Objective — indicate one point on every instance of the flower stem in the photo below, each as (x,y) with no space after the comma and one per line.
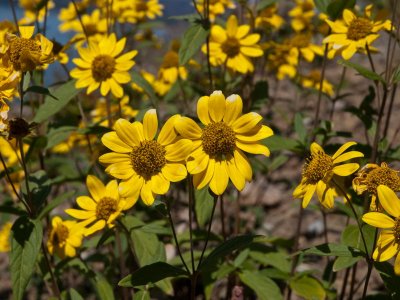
(222,214)
(191,203)
(56,289)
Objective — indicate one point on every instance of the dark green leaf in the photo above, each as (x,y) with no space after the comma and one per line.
(345,262)
(227,247)
(148,248)
(308,288)
(40,90)
(259,95)
(71,294)
(40,187)
(265,3)
(142,295)
(322,5)
(278,143)
(336,7)
(104,289)
(351,237)
(192,40)
(390,279)
(333,250)
(58,135)
(26,239)
(63,93)
(362,71)
(151,274)
(203,206)
(264,287)
(299,127)
(277,260)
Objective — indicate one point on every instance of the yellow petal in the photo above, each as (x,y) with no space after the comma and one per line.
(342,149)
(234,106)
(379,220)
(159,185)
(243,164)
(178,151)
(112,190)
(346,169)
(231,26)
(96,187)
(114,143)
(262,133)
(237,178)
(253,148)
(202,179)
(202,110)
(348,16)
(150,124)
(246,122)
(316,149)
(99,225)
(80,214)
(397,265)
(129,133)
(386,252)
(349,51)
(188,128)
(168,134)
(216,106)
(174,172)
(146,194)
(388,199)
(308,194)
(325,195)
(26,31)
(347,156)
(131,188)
(114,157)
(198,162)
(86,203)
(220,179)
(120,170)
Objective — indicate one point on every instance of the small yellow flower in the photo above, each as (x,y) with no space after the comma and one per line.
(319,171)
(26,53)
(146,166)
(268,17)
(64,237)
(216,7)
(302,15)
(5,237)
(355,33)
(313,80)
(170,69)
(102,66)
(233,46)
(300,45)
(31,13)
(277,61)
(102,208)
(388,244)
(140,10)
(217,155)
(371,176)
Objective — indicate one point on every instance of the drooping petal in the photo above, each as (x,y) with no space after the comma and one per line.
(174,172)
(342,149)
(131,188)
(237,178)
(202,179)
(159,185)
(347,156)
(146,194)
(308,195)
(243,164)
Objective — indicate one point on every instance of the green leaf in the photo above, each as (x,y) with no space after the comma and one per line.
(390,279)
(308,288)
(148,248)
(203,206)
(278,143)
(26,240)
(192,40)
(54,202)
(63,93)
(345,262)
(277,260)
(333,250)
(227,247)
(351,237)
(369,74)
(299,127)
(104,290)
(265,3)
(151,274)
(40,90)
(336,7)
(40,187)
(322,5)
(142,295)
(264,287)
(145,85)
(71,294)
(58,135)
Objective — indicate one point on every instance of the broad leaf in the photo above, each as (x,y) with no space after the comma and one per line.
(336,7)
(192,40)
(264,287)
(333,250)
(203,206)
(148,248)
(40,90)
(54,202)
(151,274)
(308,288)
(26,239)
(369,74)
(390,279)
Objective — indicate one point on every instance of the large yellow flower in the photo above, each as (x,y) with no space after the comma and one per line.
(102,208)
(146,166)
(388,244)
(217,155)
(319,171)
(233,46)
(102,66)
(5,237)
(355,33)
(64,237)
(371,176)
(26,53)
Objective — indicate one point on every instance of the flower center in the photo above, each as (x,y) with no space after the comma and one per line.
(148,159)
(385,176)
(359,28)
(171,60)
(62,234)
(24,54)
(317,168)
(218,139)
(103,66)
(105,208)
(141,6)
(231,47)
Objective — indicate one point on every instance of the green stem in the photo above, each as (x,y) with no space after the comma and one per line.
(56,289)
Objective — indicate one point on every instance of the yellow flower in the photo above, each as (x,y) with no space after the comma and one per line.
(268,17)
(102,208)
(278,61)
(4,109)
(69,14)
(5,237)
(170,69)
(9,80)
(216,7)
(355,33)
(135,11)
(302,14)
(26,53)
(301,46)
(31,13)
(371,176)
(6,26)
(146,166)
(64,237)
(217,155)
(233,46)
(102,66)
(389,239)
(313,80)
(160,86)
(117,108)
(319,171)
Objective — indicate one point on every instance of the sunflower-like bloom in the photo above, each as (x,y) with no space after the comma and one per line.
(217,154)
(371,176)
(146,166)
(233,46)
(102,66)
(313,80)
(5,237)
(388,244)
(216,7)
(26,53)
(321,169)
(64,237)
(302,15)
(102,208)
(355,33)
(269,18)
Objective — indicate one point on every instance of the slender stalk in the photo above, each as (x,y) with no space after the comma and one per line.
(190,208)
(222,215)
(344,286)
(197,9)
(325,226)
(122,266)
(208,232)
(26,175)
(80,21)
(390,110)
(175,236)
(369,266)
(374,154)
(353,282)
(11,2)
(56,289)
(21,93)
(207,20)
